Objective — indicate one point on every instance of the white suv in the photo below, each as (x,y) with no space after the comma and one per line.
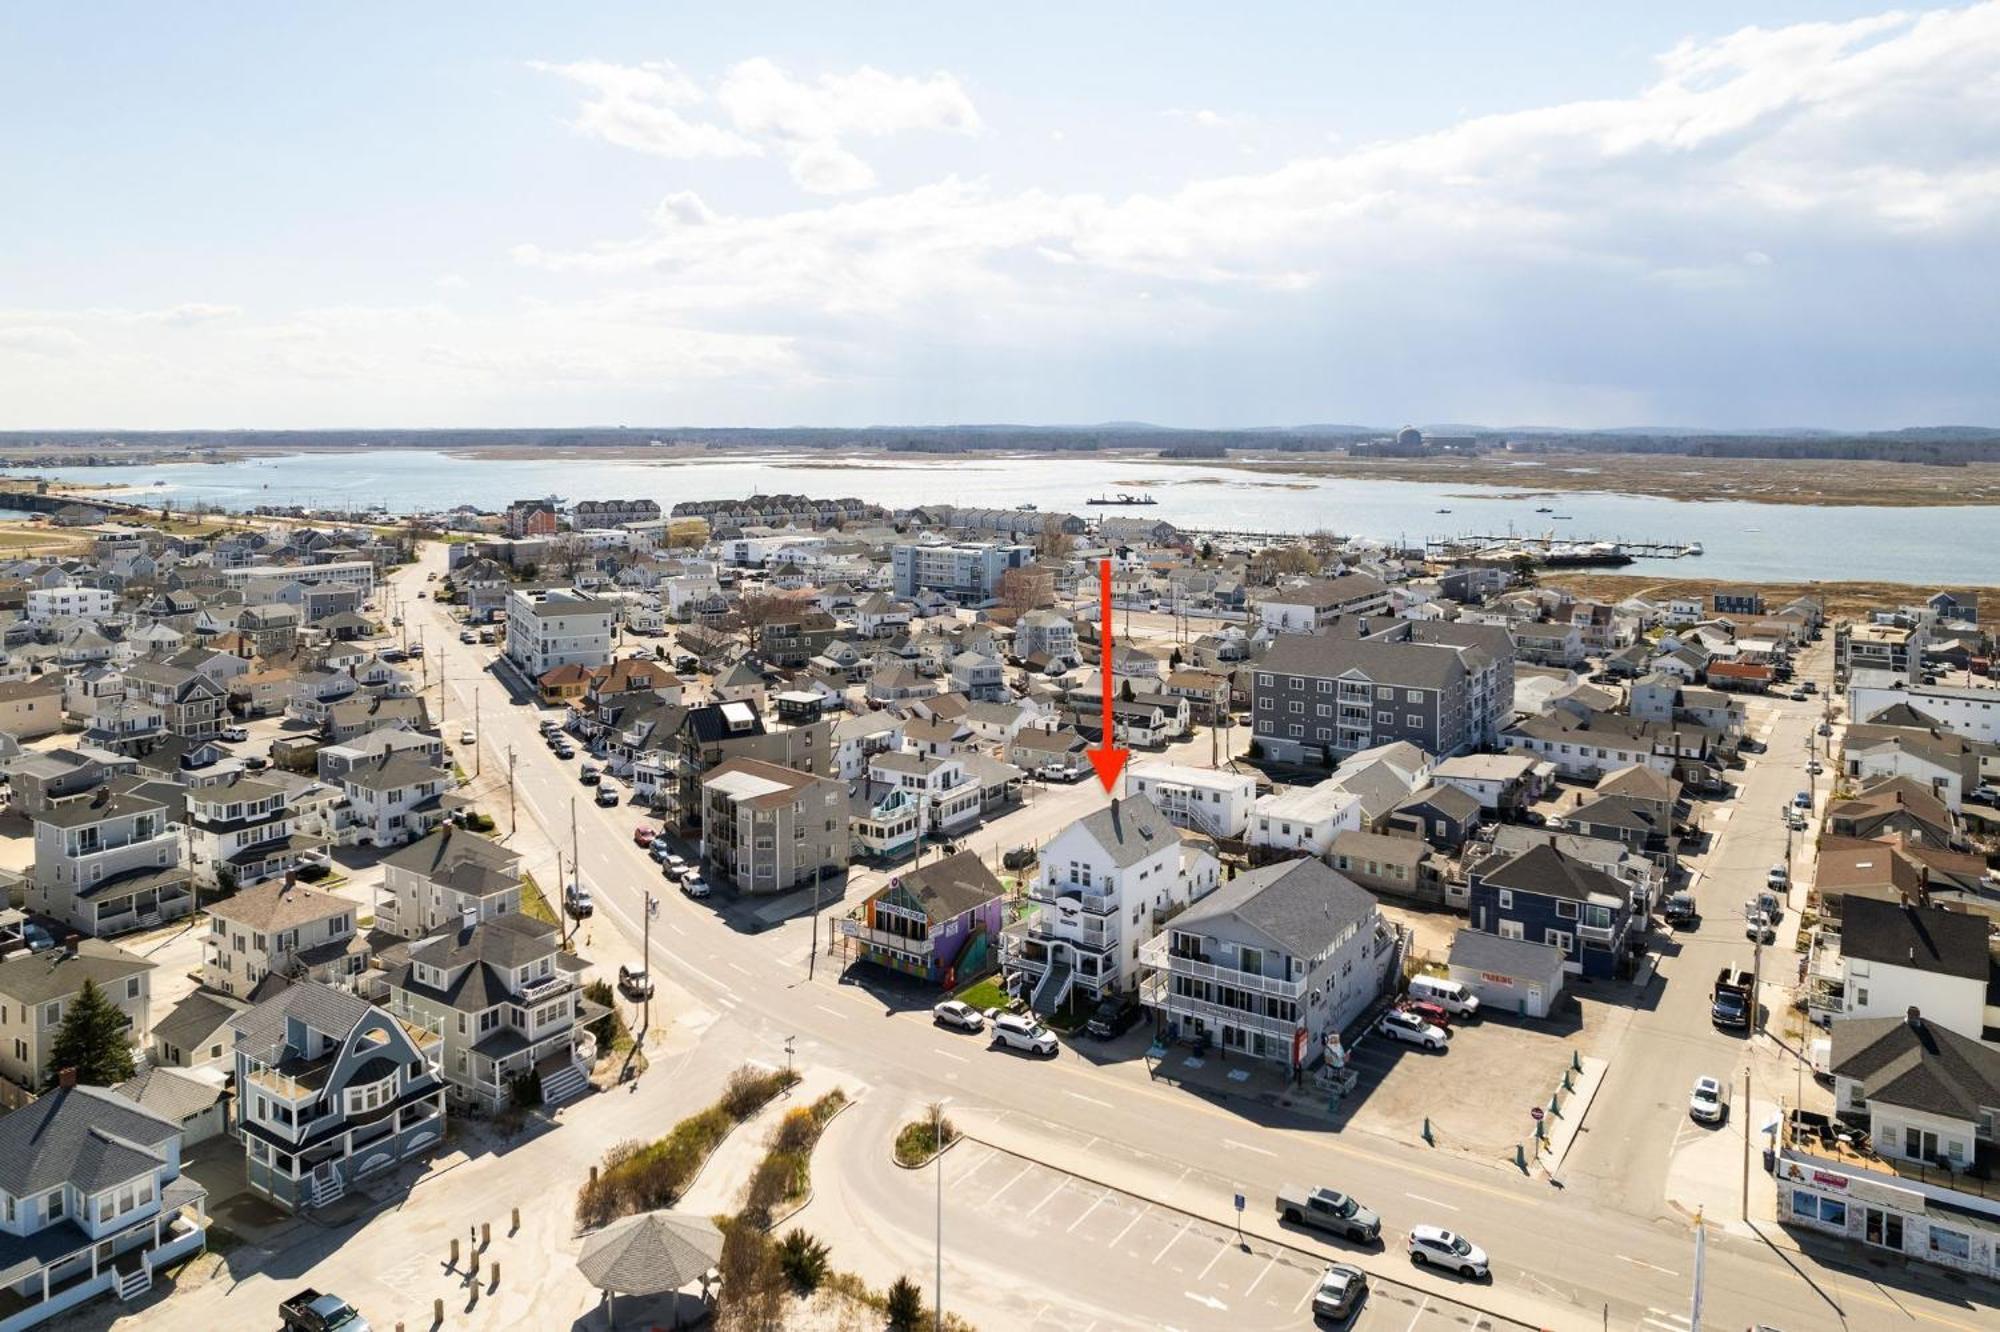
(1400,1026)
(1023,1033)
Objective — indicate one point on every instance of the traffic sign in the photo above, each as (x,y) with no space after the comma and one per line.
(1538,1112)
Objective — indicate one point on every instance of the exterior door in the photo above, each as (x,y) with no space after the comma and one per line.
(1884,1229)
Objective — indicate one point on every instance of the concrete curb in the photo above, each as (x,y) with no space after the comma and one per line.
(771,1227)
(1249,1231)
(959,1136)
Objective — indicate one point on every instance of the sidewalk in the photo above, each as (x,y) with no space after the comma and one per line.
(720,1186)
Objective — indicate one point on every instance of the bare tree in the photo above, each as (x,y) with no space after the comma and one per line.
(1025,588)
(753,611)
(1052,543)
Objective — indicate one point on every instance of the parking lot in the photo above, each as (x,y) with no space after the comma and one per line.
(1170,1268)
(1477,1094)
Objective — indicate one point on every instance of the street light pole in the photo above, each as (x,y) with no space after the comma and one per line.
(513,820)
(937,1146)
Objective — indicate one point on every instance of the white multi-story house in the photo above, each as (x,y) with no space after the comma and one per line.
(858,739)
(1273,964)
(1046,633)
(547,628)
(1304,818)
(1316,603)
(1890,957)
(508,1000)
(94,1202)
(437,881)
(36,989)
(1203,800)
(107,862)
(242,831)
(281,927)
(980,678)
(1105,884)
(330,1089)
(191,704)
(908,796)
(47,605)
(393,798)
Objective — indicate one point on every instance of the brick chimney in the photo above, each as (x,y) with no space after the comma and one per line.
(66,1078)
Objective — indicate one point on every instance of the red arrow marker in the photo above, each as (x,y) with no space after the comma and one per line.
(1107,758)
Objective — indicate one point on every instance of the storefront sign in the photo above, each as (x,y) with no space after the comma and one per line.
(1492,978)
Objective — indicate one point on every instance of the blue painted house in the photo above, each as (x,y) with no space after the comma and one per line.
(1544,896)
(941,922)
(330,1088)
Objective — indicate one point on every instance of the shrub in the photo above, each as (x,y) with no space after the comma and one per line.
(916,1143)
(905,1305)
(750,1090)
(803,1260)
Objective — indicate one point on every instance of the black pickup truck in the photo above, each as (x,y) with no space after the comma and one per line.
(312,1311)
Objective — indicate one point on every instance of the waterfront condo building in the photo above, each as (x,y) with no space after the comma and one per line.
(551,627)
(966,573)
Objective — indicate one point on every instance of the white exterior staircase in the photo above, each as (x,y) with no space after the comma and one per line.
(566,1084)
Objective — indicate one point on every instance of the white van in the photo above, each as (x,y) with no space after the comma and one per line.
(1449,995)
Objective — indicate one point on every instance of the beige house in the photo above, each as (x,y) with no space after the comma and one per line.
(281,927)
(31,708)
(36,989)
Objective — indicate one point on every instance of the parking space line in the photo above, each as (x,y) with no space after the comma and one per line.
(1306,1298)
(1010,1183)
(1273,1262)
(1246,1147)
(959,1058)
(1087,1211)
(1088,1100)
(1221,1248)
(1143,1209)
(837,1012)
(1061,1184)
(1186,1226)
(1422,1305)
(1432,1201)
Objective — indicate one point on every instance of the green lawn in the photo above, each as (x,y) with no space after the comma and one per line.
(984,994)
(535,906)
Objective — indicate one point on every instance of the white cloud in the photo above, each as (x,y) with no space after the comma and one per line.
(639,107)
(768,109)
(1207,118)
(194,312)
(41,340)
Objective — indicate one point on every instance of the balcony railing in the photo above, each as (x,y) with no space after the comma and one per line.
(1824,1145)
(1157,952)
(1601,933)
(536,991)
(1098,904)
(1155,992)
(874,938)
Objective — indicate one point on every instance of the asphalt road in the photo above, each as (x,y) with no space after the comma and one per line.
(1600,1264)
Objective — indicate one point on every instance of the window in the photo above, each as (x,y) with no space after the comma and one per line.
(1385,718)
(1413,721)
(1562,939)
(1566,910)
(1510,929)
(1506,899)
(132,987)
(371,1096)
(1944,1243)
(1413,695)
(1826,1211)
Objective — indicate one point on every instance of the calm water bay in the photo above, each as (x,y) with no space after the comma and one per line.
(1742,541)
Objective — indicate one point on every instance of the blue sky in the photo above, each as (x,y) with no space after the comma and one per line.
(516,214)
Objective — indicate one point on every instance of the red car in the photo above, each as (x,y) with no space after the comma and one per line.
(1429,1012)
(643,836)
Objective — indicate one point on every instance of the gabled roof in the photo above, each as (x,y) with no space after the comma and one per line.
(1548,872)
(947,889)
(1949,943)
(276,905)
(1300,906)
(1130,830)
(86,1137)
(1918,1065)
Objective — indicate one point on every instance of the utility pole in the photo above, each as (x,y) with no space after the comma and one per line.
(1746,1142)
(937,1145)
(443,688)
(478,737)
(513,822)
(646,959)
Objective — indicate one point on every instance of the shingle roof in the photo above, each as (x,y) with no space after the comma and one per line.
(335,1013)
(1920,1065)
(87,1137)
(172,1093)
(35,978)
(1301,906)
(1131,829)
(951,887)
(1549,872)
(195,1019)
(277,905)
(1949,943)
